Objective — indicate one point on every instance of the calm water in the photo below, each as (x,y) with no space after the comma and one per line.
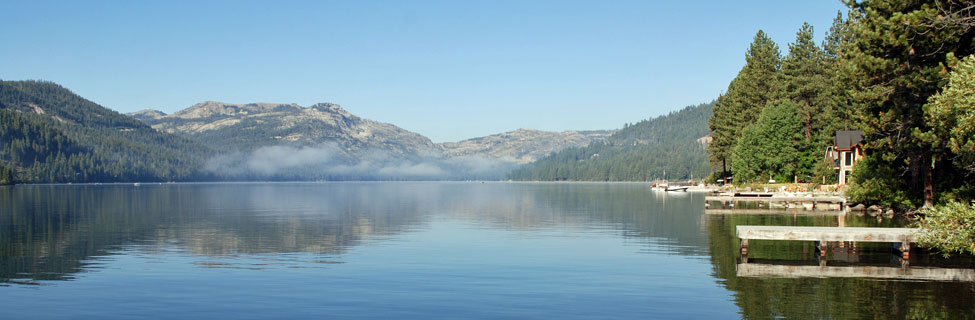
(425,250)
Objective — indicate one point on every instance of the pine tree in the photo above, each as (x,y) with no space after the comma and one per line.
(951,118)
(6,175)
(724,130)
(804,81)
(753,87)
(771,147)
(896,57)
(839,110)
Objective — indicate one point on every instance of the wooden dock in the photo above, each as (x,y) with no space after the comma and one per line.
(824,199)
(775,211)
(882,272)
(778,201)
(822,235)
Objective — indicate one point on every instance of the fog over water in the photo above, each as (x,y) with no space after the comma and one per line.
(328,161)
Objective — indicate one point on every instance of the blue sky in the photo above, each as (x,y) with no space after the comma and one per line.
(450,70)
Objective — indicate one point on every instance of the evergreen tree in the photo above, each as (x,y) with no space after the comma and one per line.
(804,81)
(896,58)
(753,87)
(839,111)
(6,175)
(771,147)
(723,131)
(758,83)
(951,118)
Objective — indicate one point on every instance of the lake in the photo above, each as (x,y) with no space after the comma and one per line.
(431,250)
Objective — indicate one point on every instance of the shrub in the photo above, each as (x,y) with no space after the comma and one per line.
(948,227)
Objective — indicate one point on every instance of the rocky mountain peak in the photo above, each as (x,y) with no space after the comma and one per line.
(216,108)
(523,145)
(145,115)
(330,108)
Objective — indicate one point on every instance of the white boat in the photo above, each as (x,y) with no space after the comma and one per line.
(666,188)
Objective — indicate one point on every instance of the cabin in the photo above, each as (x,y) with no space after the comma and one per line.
(846,151)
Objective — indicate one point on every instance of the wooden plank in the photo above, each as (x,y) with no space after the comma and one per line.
(801,212)
(905,273)
(776,199)
(827,233)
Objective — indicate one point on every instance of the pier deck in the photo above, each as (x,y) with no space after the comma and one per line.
(768,211)
(824,199)
(822,235)
(826,233)
(810,203)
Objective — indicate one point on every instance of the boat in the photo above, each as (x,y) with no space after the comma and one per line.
(667,188)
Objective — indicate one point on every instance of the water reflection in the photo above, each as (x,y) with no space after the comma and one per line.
(789,269)
(787,278)
(51,232)
(58,232)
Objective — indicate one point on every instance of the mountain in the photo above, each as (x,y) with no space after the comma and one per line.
(146,115)
(289,142)
(246,127)
(671,146)
(523,145)
(53,135)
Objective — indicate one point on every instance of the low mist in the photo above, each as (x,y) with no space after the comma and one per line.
(328,161)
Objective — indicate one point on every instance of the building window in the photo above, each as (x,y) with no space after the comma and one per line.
(849,158)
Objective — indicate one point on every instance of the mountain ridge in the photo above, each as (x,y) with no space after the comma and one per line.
(517,144)
(53,135)
(212,121)
(246,127)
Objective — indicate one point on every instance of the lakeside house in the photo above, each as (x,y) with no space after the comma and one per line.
(846,151)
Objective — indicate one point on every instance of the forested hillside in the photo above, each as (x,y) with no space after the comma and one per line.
(640,152)
(50,134)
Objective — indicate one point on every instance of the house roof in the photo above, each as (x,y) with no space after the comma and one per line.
(848,139)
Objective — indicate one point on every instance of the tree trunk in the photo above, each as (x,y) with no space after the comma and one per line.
(927,170)
(724,171)
(808,127)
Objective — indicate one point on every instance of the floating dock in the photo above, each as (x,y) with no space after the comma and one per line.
(822,235)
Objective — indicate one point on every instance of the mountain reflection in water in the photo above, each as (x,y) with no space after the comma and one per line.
(52,231)
(571,250)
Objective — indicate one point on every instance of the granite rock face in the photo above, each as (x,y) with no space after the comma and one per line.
(246,127)
(523,145)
